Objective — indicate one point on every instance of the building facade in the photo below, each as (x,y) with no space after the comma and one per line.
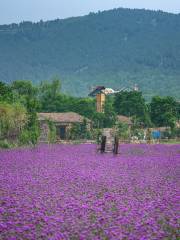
(63,123)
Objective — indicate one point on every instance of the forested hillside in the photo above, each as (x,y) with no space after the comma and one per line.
(116,48)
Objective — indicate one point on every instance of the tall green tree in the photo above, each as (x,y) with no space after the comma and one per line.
(13,118)
(132,104)
(24,88)
(109,113)
(49,93)
(27,94)
(163,111)
(85,107)
(6,93)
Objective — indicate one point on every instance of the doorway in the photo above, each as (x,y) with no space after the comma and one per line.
(62,132)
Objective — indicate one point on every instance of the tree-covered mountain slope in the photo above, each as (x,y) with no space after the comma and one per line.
(116,48)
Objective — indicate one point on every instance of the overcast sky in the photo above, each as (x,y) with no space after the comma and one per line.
(35,10)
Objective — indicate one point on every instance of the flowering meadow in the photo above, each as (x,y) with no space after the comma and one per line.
(72,192)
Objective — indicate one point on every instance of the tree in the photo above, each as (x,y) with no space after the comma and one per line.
(163,111)
(98,120)
(27,94)
(85,107)
(13,118)
(80,131)
(49,92)
(5,92)
(132,104)
(24,88)
(109,113)
(123,131)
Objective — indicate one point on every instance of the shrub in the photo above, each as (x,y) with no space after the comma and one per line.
(52,131)
(13,118)
(5,144)
(29,136)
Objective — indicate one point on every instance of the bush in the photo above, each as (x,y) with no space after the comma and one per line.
(24,137)
(123,131)
(80,131)
(52,131)
(175,133)
(96,135)
(13,118)
(5,144)
(29,136)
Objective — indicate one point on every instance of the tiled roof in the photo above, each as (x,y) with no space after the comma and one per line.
(68,117)
(124,119)
(102,89)
(96,91)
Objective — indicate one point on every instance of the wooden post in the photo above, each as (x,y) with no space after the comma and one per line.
(148,136)
(103,144)
(116,145)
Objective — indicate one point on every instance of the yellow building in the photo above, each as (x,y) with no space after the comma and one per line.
(100,93)
(100,101)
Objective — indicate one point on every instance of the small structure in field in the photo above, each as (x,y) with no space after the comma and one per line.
(109,141)
(63,123)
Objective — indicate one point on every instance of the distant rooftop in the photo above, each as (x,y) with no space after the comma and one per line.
(96,91)
(67,117)
(124,119)
(102,89)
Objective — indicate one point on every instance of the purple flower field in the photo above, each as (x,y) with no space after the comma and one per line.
(72,192)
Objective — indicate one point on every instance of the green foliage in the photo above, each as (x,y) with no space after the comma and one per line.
(117,48)
(83,106)
(75,132)
(132,104)
(52,100)
(49,93)
(24,88)
(28,95)
(52,132)
(123,131)
(137,132)
(175,133)
(96,134)
(24,138)
(21,100)
(5,144)
(98,120)
(34,134)
(163,111)
(107,119)
(5,92)
(28,137)
(109,113)
(80,131)
(13,118)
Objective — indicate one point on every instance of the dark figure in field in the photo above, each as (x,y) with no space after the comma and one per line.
(103,144)
(116,145)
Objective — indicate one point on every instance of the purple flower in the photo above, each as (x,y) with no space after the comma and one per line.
(72,192)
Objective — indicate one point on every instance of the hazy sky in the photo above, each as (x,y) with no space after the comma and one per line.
(34,10)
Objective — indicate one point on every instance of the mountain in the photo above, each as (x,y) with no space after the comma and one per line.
(116,48)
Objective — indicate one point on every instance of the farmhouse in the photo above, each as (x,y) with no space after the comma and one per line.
(63,123)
